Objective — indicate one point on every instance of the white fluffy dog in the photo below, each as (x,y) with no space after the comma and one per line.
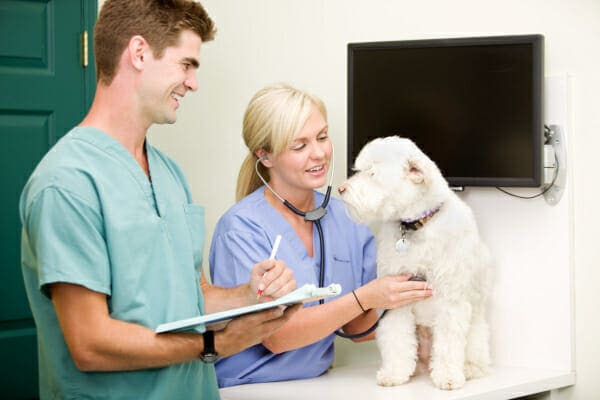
(427,231)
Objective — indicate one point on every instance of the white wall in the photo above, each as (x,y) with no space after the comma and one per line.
(304,43)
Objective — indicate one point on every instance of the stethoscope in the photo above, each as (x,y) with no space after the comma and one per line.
(315,216)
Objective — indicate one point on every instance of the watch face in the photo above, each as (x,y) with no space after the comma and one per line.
(209,358)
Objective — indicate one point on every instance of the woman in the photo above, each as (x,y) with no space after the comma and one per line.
(286,133)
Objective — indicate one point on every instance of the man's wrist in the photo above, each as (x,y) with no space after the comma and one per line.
(209,353)
(252,296)
(221,343)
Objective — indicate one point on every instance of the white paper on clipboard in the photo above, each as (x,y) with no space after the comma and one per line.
(303,294)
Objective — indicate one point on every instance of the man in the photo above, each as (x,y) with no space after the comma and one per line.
(112,244)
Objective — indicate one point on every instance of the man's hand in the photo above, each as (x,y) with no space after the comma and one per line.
(249,330)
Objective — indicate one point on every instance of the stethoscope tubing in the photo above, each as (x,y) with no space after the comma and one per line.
(315,216)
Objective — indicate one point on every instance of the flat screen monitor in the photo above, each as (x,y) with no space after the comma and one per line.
(473,105)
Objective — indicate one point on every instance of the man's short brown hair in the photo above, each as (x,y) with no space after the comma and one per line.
(159,22)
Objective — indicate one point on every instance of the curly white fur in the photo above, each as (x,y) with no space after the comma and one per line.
(396,181)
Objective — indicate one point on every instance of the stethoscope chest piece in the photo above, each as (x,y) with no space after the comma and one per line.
(316,214)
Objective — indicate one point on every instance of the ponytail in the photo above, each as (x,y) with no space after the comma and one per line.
(248,181)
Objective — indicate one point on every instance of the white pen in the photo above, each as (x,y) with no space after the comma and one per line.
(275,247)
(271,257)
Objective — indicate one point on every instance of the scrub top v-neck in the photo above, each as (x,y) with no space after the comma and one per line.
(93,217)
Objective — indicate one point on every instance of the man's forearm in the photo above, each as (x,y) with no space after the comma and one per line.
(98,342)
(220,299)
(126,346)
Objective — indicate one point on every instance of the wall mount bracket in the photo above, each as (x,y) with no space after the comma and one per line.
(557,164)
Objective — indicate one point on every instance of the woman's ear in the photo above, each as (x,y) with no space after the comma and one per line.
(263,156)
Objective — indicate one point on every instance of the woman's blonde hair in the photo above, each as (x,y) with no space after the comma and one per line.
(273,117)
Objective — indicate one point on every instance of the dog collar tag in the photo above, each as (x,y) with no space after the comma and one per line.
(402,245)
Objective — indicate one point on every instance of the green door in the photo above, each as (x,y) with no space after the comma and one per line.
(44,91)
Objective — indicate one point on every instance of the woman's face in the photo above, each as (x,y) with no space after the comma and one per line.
(304,165)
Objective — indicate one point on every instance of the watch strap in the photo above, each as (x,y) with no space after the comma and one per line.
(209,354)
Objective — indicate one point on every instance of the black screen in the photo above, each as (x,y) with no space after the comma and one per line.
(473,105)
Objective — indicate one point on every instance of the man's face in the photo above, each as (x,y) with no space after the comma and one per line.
(167,79)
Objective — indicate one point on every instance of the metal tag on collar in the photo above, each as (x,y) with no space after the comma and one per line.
(402,244)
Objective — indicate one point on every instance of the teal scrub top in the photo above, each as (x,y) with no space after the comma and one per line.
(92,217)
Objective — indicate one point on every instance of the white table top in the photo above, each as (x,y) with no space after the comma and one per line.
(357,381)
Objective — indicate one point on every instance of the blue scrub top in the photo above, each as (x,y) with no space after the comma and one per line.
(92,217)
(245,236)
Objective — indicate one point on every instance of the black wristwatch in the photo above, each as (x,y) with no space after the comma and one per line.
(209,354)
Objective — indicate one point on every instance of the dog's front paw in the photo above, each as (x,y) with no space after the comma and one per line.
(386,377)
(474,371)
(448,378)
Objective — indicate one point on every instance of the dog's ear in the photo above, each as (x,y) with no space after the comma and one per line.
(415,171)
